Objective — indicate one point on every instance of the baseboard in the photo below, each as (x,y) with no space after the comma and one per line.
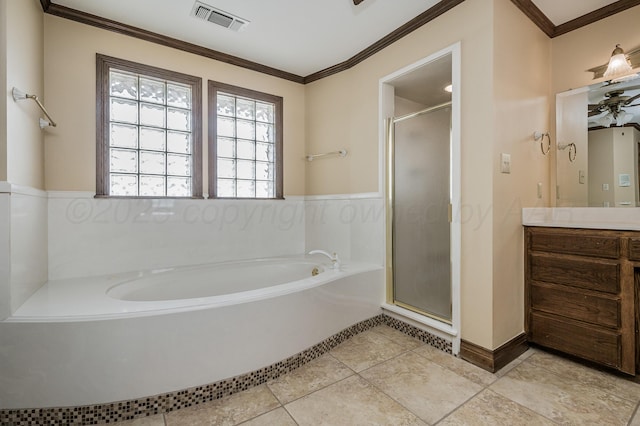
(493,360)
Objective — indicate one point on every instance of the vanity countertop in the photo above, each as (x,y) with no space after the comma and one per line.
(626,219)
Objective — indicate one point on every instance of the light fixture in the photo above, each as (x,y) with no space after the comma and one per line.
(623,118)
(632,58)
(619,65)
(448,88)
(606,120)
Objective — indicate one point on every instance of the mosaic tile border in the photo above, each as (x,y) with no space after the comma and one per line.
(167,402)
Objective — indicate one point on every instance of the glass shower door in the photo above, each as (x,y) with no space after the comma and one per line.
(421,232)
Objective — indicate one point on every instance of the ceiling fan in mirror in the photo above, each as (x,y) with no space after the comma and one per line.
(616,107)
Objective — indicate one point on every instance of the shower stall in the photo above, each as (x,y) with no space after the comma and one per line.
(420,169)
(422,182)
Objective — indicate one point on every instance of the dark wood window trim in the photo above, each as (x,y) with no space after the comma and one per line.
(103,66)
(213,89)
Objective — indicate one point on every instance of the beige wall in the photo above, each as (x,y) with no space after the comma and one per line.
(70,50)
(509,70)
(575,52)
(22,158)
(5,85)
(505,96)
(522,67)
(342,112)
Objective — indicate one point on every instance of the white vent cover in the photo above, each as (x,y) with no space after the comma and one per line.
(220,17)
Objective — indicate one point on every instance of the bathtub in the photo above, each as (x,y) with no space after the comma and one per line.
(120,337)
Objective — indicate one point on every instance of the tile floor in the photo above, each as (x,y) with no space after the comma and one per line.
(383,377)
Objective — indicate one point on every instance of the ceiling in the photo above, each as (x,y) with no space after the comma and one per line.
(300,37)
(561,11)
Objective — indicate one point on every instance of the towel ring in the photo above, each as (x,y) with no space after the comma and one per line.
(572,147)
(539,136)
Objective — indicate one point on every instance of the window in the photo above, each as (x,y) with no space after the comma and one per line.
(149,132)
(245,143)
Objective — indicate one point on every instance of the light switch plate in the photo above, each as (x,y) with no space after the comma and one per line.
(505,163)
(580,176)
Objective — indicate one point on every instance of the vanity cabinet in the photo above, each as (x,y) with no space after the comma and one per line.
(580,295)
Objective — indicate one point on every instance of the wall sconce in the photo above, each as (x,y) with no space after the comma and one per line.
(619,65)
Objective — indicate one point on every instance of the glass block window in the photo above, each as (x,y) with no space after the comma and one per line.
(246,143)
(149,138)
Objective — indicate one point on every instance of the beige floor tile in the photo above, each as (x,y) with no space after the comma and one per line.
(277,417)
(491,409)
(588,376)
(352,402)
(635,421)
(366,349)
(424,387)
(231,410)
(457,365)
(516,362)
(157,420)
(562,399)
(398,337)
(315,375)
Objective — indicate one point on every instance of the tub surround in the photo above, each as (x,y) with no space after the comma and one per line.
(163,403)
(89,236)
(618,218)
(23,244)
(128,350)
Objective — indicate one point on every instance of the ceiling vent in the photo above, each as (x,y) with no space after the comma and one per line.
(216,16)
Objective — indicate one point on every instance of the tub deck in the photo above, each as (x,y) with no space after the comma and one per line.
(86,298)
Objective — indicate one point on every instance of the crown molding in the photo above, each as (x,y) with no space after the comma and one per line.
(551,30)
(131,31)
(139,33)
(526,6)
(417,22)
(45,4)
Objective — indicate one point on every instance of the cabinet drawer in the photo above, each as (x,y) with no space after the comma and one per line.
(574,338)
(573,303)
(569,243)
(592,275)
(634,248)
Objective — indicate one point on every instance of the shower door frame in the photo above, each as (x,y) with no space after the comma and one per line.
(452,329)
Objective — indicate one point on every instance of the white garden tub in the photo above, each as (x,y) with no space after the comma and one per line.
(103,339)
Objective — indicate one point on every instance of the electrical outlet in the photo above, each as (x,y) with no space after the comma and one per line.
(605,186)
(505,163)
(581,176)
(539,189)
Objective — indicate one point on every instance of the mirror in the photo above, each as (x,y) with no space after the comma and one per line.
(598,145)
